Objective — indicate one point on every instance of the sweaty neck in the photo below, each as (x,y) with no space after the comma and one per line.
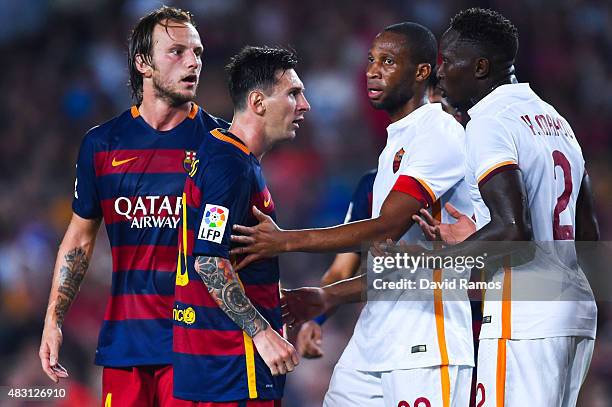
(413,104)
(160,115)
(504,78)
(251,132)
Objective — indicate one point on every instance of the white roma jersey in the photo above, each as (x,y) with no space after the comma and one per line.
(512,127)
(424,157)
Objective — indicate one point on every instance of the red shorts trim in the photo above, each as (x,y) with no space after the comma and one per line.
(242,403)
(139,386)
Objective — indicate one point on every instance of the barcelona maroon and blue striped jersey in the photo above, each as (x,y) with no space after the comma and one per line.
(214,360)
(360,207)
(133,176)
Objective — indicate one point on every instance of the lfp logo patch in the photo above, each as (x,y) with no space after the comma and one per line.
(213,223)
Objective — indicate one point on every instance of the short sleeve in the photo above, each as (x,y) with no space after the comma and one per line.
(226,189)
(86,202)
(360,207)
(433,163)
(490,149)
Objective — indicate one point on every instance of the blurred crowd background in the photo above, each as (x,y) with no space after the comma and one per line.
(64,71)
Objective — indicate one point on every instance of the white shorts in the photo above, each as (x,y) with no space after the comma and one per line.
(532,372)
(438,386)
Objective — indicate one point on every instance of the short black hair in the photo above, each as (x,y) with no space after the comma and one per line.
(422,44)
(493,32)
(141,41)
(256,67)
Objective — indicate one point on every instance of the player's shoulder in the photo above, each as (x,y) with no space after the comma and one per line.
(225,152)
(211,121)
(436,120)
(437,131)
(103,132)
(485,125)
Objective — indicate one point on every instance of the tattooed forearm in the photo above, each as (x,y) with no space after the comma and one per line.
(70,277)
(222,282)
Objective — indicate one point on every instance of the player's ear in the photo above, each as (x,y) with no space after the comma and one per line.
(481,68)
(143,67)
(256,102)
(422,72)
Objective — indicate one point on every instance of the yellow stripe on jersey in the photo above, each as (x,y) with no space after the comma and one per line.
(506,333)
(429,190)
(182,277)
(507,301)
(500,374)
(230,140)
(194,111)
(436,212)
(493,168)
(249,354)
(134,111)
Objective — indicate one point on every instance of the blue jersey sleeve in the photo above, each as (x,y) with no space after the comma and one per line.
(360,207)
(226,190)
(86,202)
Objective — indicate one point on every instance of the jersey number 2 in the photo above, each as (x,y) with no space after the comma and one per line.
(562,232)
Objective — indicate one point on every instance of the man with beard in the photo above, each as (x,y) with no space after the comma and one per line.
(528,183)
(398,354)
(131,172)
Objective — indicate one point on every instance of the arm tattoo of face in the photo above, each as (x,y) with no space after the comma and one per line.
(223,285)
(70,277)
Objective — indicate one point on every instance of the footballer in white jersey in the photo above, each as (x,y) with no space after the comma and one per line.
(404,351)
(527,183)
(400,332)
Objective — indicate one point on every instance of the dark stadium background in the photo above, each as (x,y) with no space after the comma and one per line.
(64,70)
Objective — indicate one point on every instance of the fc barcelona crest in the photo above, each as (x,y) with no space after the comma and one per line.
(397,160)
(190,157)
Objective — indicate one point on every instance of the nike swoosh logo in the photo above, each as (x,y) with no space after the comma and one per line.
(117,163)
(267,202)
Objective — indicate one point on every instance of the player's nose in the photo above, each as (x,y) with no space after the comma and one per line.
(303,105)
(373,71)
(192,60)
(440,72)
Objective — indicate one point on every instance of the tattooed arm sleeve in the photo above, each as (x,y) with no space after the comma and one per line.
(71,265)
(222,282)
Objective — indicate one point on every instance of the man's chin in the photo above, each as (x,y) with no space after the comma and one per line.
(179,99)
(176,98)
(377,104)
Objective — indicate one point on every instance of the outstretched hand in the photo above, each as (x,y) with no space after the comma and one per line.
(260,241)
(309,340)
(449,233)
(303,304)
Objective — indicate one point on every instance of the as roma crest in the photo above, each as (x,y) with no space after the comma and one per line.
(190,157)
(397,160)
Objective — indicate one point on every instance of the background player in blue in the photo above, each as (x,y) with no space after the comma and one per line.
(131,172)
(345,265)
(227,334)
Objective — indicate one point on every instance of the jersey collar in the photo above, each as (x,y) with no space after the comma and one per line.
(402,123)
(502,90)
(192,113)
